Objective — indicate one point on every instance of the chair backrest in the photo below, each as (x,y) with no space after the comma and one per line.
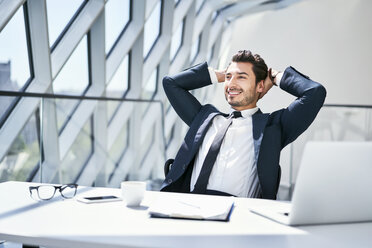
(167,166)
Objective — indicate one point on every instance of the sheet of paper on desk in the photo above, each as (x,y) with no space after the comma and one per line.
(191,206)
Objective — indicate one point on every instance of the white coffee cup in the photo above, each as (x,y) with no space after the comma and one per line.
(133,192)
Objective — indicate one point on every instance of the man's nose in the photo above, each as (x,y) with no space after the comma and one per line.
(231,81)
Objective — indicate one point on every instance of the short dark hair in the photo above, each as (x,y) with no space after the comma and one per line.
(259,65)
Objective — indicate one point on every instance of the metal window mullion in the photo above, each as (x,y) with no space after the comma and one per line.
(150,5)
(203,45)
(74,34)
(225,45)
(245,7)
(183,54)
(127,40)
(135,81)
(200,21)
(121,49)
(88,175)
(160,145)
(77,121)
(98,79)
(156,55)
(42,71)
(148,162)
(148,121)
(120,119)
(215,55)
(217,30)
(15,122)
(180,12)
(123,169)
(26,106)
(7,10)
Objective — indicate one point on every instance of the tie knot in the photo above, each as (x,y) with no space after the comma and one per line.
(236,114)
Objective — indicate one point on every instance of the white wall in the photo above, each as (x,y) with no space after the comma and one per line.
(329,40)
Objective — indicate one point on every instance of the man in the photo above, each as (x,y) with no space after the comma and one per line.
(237,154)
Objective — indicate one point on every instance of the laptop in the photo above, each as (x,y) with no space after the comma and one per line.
(334,185)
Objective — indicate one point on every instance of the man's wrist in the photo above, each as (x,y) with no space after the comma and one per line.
(212,75)
(277,78)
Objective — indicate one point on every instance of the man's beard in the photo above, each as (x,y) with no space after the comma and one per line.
(247,100)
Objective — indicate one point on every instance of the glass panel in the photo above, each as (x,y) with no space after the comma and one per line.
(118,148)
(331,124)
(195,49)
(214,16)
(78,155)
(14,61)
(117,86)
(150,87)
(72,79)
(170,136)
(176,40)
(199,5)
(23,154)
(152,29)
(117,14)
(211,53)
(59,14)
(146,145)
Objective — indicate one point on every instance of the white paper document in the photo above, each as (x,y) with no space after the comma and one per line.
(191,206)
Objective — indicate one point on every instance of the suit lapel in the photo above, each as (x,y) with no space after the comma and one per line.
(259,121)
(202,130)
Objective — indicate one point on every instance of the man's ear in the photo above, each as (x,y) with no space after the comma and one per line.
(260,86)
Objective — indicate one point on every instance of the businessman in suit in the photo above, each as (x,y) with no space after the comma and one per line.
(238,153)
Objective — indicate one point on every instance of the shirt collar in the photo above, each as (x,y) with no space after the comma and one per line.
(246,113)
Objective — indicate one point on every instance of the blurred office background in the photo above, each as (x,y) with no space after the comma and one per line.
(122,49)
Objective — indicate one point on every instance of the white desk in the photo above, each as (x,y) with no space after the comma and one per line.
(69,223)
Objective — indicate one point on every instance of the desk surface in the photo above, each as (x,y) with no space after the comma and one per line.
(69,223)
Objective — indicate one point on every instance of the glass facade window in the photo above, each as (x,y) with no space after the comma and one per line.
(78,155)
(147,145)
(14,60)
(199,5)
(149,89)
(72,79)
(195,49)
(20,155)
(118,86)
(152,29)
(60,14)
(118,149)
(117,14)
(214,16)
(170,136)
(210,53)
(176,40)
(23,154)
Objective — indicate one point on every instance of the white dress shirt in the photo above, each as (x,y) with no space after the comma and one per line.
(235,169)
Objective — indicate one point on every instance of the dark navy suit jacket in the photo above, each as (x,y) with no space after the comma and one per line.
(271,131)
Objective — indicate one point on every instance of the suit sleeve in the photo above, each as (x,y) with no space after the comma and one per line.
(178,87)
(298,116)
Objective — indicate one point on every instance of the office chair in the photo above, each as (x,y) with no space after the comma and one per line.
(168,165)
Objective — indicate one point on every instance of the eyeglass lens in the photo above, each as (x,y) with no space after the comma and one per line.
(46,192)
(68,191)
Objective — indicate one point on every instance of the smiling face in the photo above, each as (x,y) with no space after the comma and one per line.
(241,90)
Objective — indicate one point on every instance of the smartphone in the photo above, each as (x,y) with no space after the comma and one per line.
(96,199)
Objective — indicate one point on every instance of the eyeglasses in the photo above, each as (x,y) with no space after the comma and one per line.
(46,192)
